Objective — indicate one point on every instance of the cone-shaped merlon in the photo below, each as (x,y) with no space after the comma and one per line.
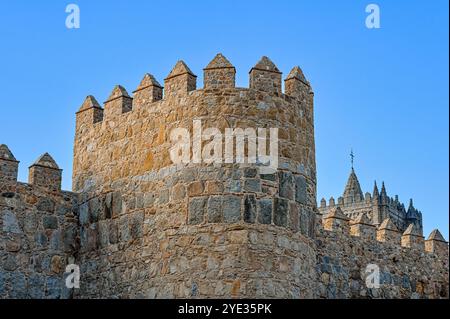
(436,235)
(265,64)
(361,219)
(296,73)
(118,91)
(46,160)
(89,102)
(6,154)
(412,230)
(179,69)
(388,224)
(219,62)
(336,213)
(148,80)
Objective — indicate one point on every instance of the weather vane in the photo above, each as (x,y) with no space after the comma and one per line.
(352,156)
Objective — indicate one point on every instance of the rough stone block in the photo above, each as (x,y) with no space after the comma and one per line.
(84,214)
(41,239)
(268,177)
(53,290)
(196,210)
(250,172)
(18,285)
(50,222)
(231,208)
(252,185)
(301,194)
(116,204)
(265,210)
(55,240)
(304,222)
(163,197)
(94,210)
(215,212)
(46,205)
(103,232)
(36,286)
(281,211)
(249,208)
(178,192)
(124,228)
(286,185)
(195,188)
(149,199)
(137,225)
(233,186)
(113,232)
(108,205)
(294,216)
(10,222)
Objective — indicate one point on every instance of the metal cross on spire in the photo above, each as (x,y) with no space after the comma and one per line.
(352,156)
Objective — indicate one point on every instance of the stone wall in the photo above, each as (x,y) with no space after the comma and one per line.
(38,238)
(408,266)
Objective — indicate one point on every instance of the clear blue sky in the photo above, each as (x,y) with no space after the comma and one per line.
(382,92)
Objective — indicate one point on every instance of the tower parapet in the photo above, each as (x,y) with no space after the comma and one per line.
(388,232)
(436,243)
(265,76)
(362,227)
(180,80)
(9,166)
(45,173)
(412,237)
(336,220)
(219,74)
(148,91)
(118,102)
(296,84)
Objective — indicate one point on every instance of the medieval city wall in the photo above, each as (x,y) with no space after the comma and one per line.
(350,250)
(38,233)
(141,226)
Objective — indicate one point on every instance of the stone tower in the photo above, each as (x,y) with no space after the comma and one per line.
(197,229)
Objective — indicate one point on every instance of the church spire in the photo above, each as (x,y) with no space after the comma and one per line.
(383,194)
(383,189)
(352,192)
(376,193)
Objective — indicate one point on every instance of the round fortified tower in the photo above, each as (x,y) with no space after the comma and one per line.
(153,227)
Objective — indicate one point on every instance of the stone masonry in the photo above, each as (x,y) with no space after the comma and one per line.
(140,226)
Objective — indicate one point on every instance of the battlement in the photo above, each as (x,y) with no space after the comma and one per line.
(347,248)
(219,74)
(387,232)
(38,229)
(44,172)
